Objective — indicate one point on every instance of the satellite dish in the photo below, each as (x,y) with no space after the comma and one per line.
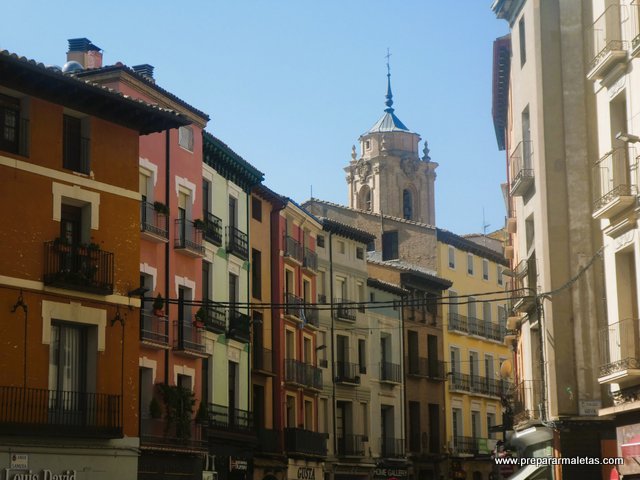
(506,369)
(72,66)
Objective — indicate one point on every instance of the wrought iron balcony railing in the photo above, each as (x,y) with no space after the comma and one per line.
(188,338)
(521,168)
(269,440)
(237,243)
(212,228)
(215,317)
(154,329)
(608,43)
(466,445)
(392,447)
(390,372)
(301,373)
(527,401)
(619,347)
(475,326)
(239,326)
(352,445)
(347,372)
(188,238)
(228,418)
(161,432)
(614,189)
(293,305)
(154,223)
(36,411)
(78,267)
(345,309)
(478,384)
(310,259)
(425,367)
(306,442)
(293,248)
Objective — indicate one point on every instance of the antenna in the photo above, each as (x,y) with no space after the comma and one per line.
(485,225)
(311,186)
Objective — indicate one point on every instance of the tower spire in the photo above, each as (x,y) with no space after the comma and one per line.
(389,96)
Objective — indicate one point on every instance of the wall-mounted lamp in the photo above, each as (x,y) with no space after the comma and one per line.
(321,347)
(627,137)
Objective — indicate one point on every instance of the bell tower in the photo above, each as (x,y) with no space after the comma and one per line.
(389,176)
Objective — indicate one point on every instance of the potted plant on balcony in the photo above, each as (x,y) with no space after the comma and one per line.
(62,244)
(161,208)
(202,416)
(158,306)
(200,318)
(178,409)
(155,410)
(198,223)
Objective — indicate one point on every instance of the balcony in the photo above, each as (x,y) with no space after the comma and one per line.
(478,385)
(215,317)
(521,169)
(392,447)
(154,226)
(263,360)
(390,372)
(619,353)
(303,374)
(305,442)
(352,445)
(311,315)
(188,339)
(34,411)
(614,190)
(159,432)
(78,267)
(347,373)
(269,440)
(527,401)
(474,326)
(154,330)
(425,367)
(293,249)
(457,323)
(239,326)
(230,419)
(188,238)
(212,230)
(310,260)
(237,243)
(294,306)
(468,445)
(345,310)
(609,49)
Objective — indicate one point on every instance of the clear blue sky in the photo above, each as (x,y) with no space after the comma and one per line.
(291,84)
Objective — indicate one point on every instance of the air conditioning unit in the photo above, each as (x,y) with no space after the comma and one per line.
(207,475)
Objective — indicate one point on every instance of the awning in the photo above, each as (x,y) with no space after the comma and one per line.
(527,472)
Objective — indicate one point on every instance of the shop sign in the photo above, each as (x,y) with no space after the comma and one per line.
(42,475)
(391,473)
(19,461)
(306,473)
(236,464)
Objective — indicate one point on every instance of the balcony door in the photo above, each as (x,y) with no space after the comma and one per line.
(182,217)
(233,388)
(67,373)
(71,224)
(233,212)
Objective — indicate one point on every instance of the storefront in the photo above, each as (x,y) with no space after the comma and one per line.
(299,469)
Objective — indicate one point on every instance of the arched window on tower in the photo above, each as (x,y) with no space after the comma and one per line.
(407,204)
(365,198)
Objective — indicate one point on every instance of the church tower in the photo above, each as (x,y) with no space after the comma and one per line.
(389,177)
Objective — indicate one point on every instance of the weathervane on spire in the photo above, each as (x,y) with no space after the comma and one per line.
(389,96)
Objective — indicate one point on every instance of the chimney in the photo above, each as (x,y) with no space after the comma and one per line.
(144,70)
(84,52)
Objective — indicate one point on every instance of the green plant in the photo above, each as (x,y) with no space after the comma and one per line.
(178,403)
(161,208)
(198,223)
(155,410)
(94,246)
(201,315)
(61,241)
(158,303)
(202,416)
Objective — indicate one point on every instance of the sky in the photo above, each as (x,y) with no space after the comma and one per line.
(290,85)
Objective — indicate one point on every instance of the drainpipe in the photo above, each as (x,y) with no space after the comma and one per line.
(249,382)
(167,183)
(333,373)
(403,390)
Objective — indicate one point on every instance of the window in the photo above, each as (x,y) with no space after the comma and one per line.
(489,370)
(256,273)
(320,241)
(371,246)
(469,264)
(360,253)
(206,198)
(75,148)
(341,248)
(485,269)
(471,308)
(457,422)
(475,424)
(365,418)
(9,123)
(499,275)
(523,46)
(308,414)
(367,144)
(233,211)
(390,245)
(206,281)
(323,416)
(256,209)
(67,364)
(491,421)
(185,138)
(362,355)
(486,312)
(452,257)
(233,289)
(291,411)
(407,205)
(454,357)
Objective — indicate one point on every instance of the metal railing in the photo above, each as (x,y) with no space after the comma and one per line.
(188,338)
(298,440)
(293,305)
(239,326)
(237,243)
(301,373)
(158,431)
(152,221)
(215,316)
(469,445)
(520,164)
(263,359)
(310,259)
(476,326)
(478,384)
(613,177)
(188,237)
(78,267)
(619,347)
(392,447)
(606,35)
(154,329)
(425,367)
(36,411)
(269,440)
(345,309)
(293,248)
(222,417)
(347,372)
(390,372)
(212,230)
(527,401)
(352,445)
